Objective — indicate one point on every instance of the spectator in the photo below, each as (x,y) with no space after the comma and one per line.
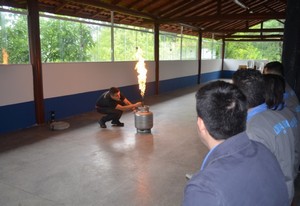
(290,98)
(269,126)
(236,171)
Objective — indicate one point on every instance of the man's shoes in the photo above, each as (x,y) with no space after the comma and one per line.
(117,123)
(188,176)
(102,124)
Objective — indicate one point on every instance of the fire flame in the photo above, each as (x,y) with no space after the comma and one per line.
(141,70)
(4,56)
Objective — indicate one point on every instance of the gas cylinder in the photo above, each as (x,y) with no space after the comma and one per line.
(143,119)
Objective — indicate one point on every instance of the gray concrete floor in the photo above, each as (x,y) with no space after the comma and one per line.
(85,165)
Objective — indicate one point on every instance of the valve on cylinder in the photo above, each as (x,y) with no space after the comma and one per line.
(143,119)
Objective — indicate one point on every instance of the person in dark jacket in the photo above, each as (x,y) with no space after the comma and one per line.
(113,103)
(236,171)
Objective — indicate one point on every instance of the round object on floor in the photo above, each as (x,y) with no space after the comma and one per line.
(59,125)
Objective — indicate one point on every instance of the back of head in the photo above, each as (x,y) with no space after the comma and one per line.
(251,83)
(275,88)
(223,109)
(113,90)
(274,67)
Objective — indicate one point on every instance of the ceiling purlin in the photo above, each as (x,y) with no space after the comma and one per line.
(100,4)
(60,7)
(257,6)
(209,8)
(194,12)
(215,24)
(219,7)
(169,8)
(163,5)
(229,9)
(96,13)
(190,12)
(133,4)
(178,11)
(115,2)
(80,10)
(225,17)
(273,10)
(145,6)
(245,26)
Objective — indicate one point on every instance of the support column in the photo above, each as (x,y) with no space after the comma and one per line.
(199,56)
(156,56)
(291,45)
(223,55)
(35,59)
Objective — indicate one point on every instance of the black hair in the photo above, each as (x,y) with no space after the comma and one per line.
(274,67)
(223,109)
(252,84)
(275,88)
(113,90)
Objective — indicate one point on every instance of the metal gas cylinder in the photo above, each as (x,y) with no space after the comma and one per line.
(143,119)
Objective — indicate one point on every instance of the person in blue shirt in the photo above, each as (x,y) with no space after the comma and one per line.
(236,171)
(269,121)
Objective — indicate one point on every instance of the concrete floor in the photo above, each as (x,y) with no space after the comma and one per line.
(85,165)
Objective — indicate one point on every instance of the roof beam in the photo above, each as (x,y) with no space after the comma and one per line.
(224,17)
(252,40)
(242,30)
(254,36)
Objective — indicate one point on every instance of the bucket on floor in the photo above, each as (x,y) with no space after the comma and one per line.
(59,125)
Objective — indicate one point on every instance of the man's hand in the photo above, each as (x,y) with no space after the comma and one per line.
(138,104)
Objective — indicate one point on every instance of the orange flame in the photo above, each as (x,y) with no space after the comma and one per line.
(4,56)
(142,71)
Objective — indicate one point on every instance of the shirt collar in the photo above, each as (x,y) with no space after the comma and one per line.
(255,110)
(207,155)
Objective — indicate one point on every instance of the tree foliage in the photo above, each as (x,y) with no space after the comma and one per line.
(71,41)
(14,38)
(65,41)
(256,50)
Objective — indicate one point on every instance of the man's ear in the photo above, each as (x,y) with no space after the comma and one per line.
(200,123)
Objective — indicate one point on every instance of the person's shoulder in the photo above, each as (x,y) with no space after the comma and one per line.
(261,119)
(202,182)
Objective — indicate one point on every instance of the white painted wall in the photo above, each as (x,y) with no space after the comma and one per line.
(60,79)
(175,69)
(16,84)
(73,78)
(211,65)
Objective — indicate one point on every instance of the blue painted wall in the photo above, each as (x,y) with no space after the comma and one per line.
(17,116)
(227,74)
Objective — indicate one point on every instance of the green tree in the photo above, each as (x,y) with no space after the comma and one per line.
(65,41)
(14,37)
(256,50)
(241,50)
(101,51)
